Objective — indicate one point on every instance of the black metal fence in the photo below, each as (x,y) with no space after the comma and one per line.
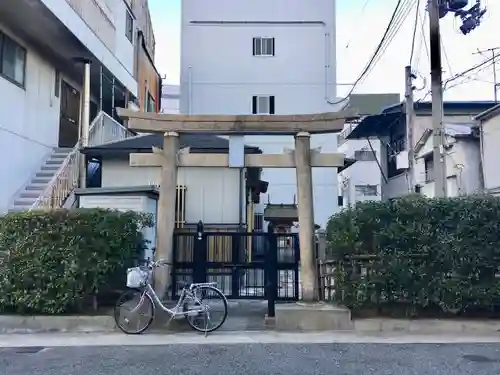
(244,265)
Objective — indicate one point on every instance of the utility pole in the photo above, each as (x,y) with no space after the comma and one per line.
(494,67)
(410,115)
(440,183)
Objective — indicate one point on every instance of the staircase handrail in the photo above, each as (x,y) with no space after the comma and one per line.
(70,182)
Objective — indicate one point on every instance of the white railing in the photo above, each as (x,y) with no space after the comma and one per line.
(103,129)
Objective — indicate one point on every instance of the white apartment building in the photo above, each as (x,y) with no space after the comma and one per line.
(46,47)
(264,57)
(170,99)
(363,180)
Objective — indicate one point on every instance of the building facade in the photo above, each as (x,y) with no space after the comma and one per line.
(45,45)
(390,128)
(258,69)
(489,125)
(363,180)
(170,99)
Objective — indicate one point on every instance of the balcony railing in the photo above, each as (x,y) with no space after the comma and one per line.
(103,129)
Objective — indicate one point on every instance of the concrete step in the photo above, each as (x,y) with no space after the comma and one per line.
(32,194)
(58,156)
(50,167)
(57,162)
(41,180)
(24,202)
(36,187)
(48,174)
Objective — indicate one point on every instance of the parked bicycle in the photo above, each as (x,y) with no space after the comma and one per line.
(140,300)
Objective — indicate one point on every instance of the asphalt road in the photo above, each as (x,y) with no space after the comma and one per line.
(256,359)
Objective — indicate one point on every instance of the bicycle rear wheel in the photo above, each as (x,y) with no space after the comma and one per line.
(134,312)
(211,303)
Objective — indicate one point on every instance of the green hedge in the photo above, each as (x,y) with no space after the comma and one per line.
(58,261)
(416,251)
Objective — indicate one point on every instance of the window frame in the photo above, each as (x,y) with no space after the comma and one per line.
(3,38)
(365,190)
(271,103)
(365,155)
(129,30)
(429,167)
(259,52)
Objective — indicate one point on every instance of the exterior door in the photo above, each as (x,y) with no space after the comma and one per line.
(70,116)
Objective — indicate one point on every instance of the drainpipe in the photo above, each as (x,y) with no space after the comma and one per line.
(84,136)
(345,101)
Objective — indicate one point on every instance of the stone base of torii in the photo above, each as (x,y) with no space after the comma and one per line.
(303,158)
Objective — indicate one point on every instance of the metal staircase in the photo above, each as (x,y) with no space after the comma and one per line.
(39,182)
(59,174)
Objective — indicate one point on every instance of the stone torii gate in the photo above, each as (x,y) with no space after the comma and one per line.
(303,158)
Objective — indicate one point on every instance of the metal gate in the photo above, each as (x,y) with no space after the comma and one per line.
(244,265)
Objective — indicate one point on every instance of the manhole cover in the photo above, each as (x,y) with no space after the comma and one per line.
(478,358)
(24,350)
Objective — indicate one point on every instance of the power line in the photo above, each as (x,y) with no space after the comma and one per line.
(395,15)
(360,17)
(423,40)
(403,15)
(477,67)
(415,25)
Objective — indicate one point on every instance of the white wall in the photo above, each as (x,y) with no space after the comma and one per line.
(133,202)
(219,75)
(72,20)
(398,186)
(491,154)
(362,172)
(170,99)
(29,124)
(462,167)
(212,194)
(124,48)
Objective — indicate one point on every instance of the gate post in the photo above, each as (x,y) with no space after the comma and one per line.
(271,270)
(200,255)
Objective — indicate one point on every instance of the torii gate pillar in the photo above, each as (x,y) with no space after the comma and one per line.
(165,215)
(306,216)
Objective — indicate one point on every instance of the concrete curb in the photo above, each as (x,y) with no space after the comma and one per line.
(427,326)
(11,324)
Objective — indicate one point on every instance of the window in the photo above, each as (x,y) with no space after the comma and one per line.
(366,190)
(150,104)
(12,60)
(429,168)
(263,105)
(129,26)
(57,84)
(263,46)
(397,143)
(364,155)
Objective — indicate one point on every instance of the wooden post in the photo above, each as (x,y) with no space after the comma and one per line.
(306,215)
(165,222)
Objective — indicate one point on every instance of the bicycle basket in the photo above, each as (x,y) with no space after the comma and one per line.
(136,277)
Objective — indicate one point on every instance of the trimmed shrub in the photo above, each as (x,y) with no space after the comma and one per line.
(419,252)
(54,261)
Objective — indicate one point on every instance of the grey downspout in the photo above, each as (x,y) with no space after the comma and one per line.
(241,196)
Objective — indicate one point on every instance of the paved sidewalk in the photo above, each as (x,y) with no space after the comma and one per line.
(231,338)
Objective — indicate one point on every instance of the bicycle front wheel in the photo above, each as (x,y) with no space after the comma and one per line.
(208,311)
(134,312)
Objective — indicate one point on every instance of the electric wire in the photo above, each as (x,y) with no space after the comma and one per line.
(413,39)
(394,17)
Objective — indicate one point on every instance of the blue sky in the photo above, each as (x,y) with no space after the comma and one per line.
(356,45)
